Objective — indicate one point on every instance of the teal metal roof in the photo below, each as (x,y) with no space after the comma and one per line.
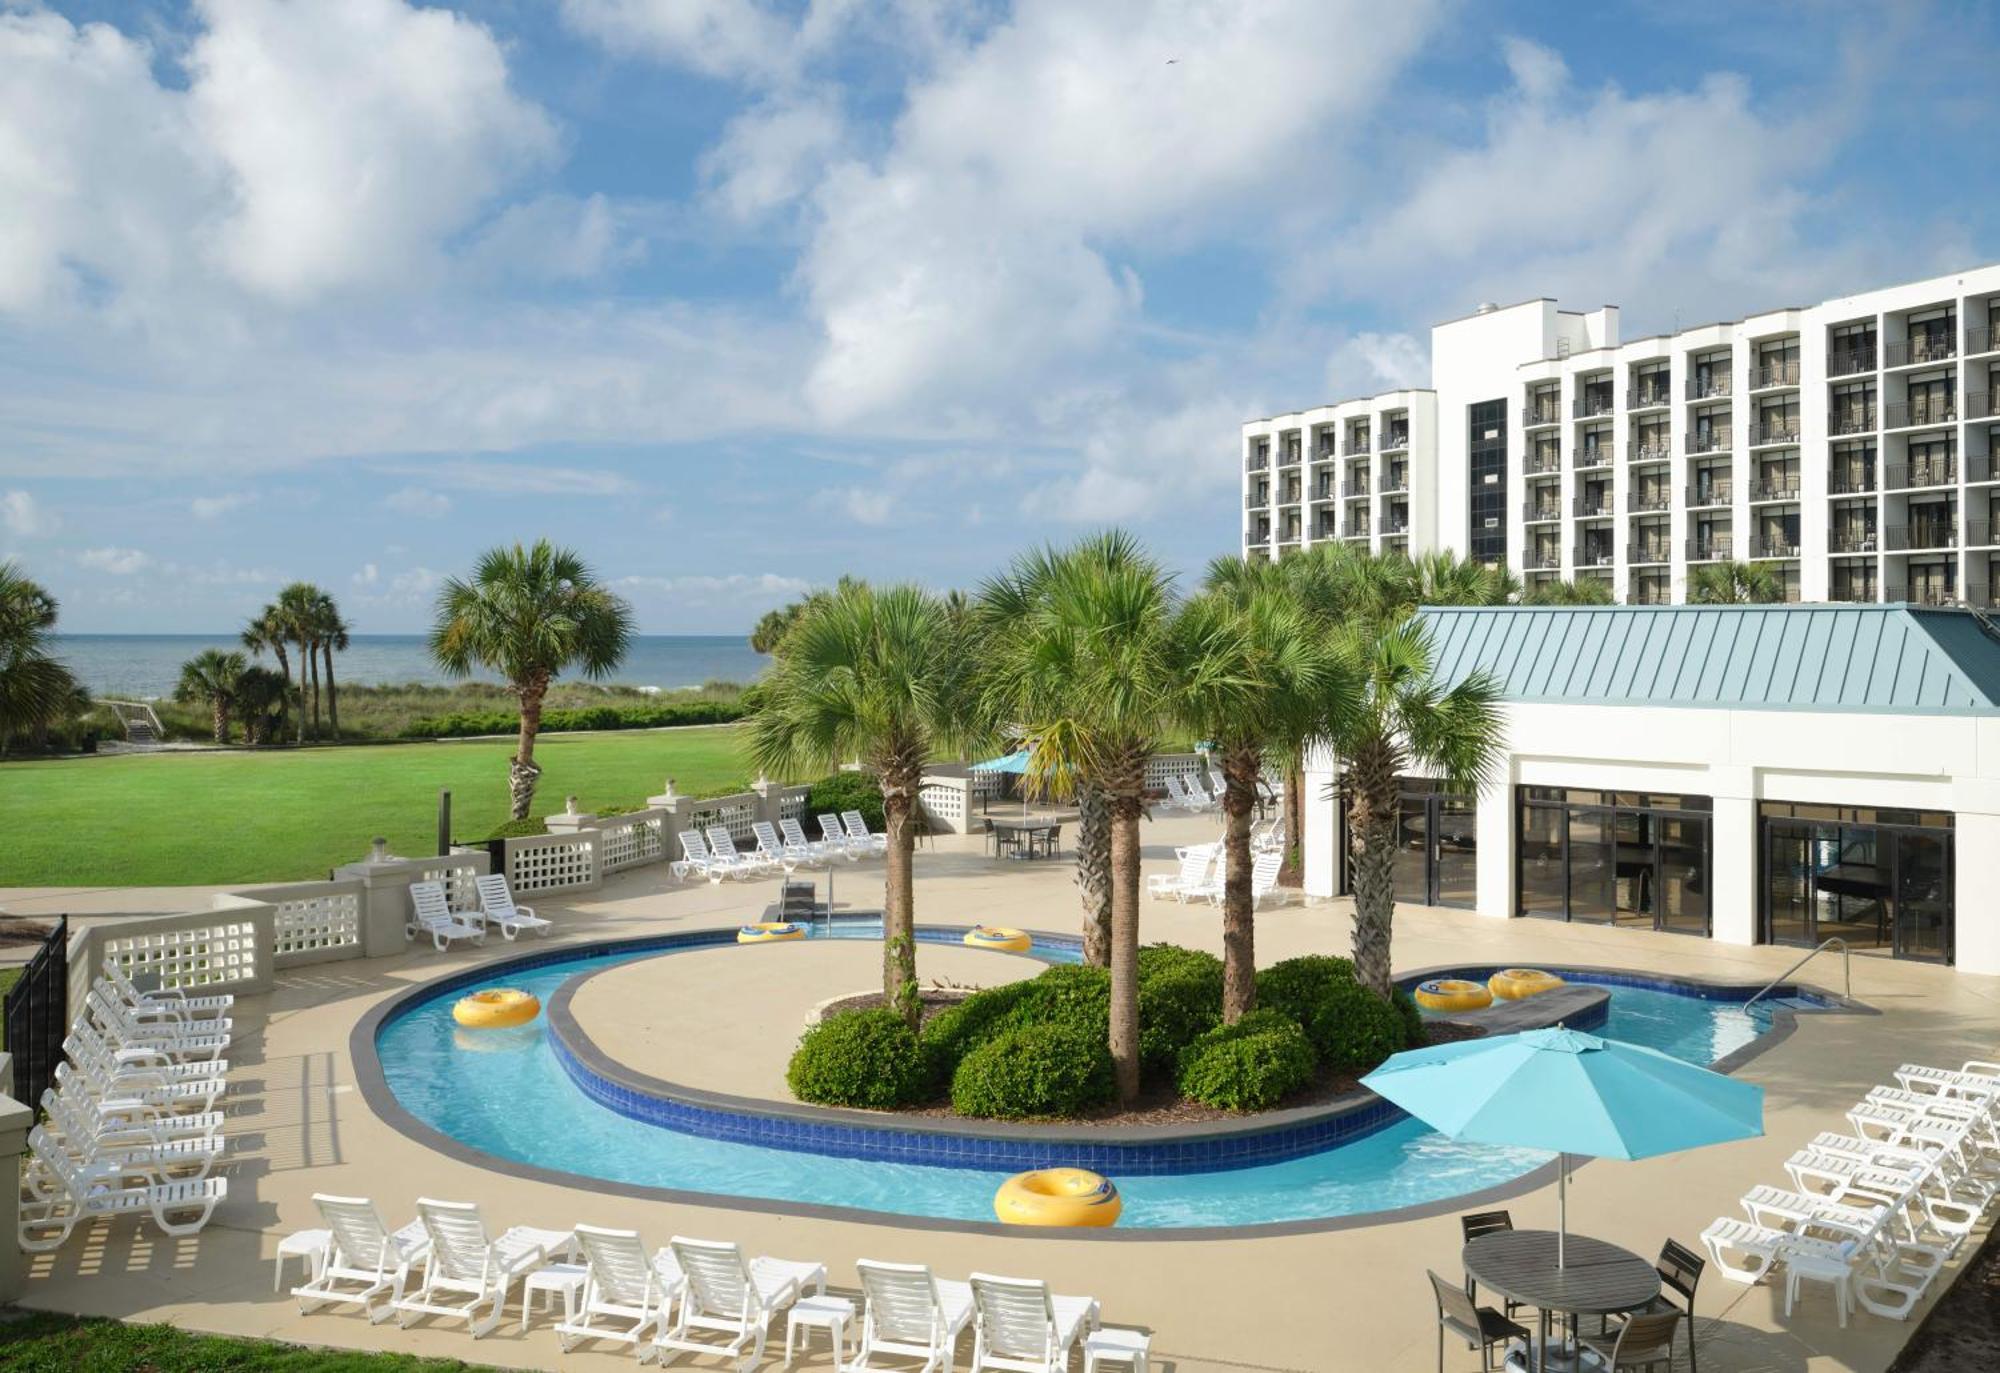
(1887,659)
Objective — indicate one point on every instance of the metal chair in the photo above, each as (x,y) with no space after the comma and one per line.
(1481,1327)
(1680,1270)
(1485,1223)
(1643,1342)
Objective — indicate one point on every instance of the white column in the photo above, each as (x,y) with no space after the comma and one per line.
(1977,936)
(1321,850)
(1733,856)
(1496,845)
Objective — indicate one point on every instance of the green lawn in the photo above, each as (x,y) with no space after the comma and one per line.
(193,818)
(64,1343)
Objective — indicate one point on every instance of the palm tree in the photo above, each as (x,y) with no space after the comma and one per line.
(267,630)
(1576,591)
(332,632)
(263,699)
(35,689)
(1734,583)
(1081,652)
(1263,698)
(212,678)
(529,614)
(771,629)
(299,613)
(878,675)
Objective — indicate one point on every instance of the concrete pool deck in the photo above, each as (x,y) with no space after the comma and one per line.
(1346,1299)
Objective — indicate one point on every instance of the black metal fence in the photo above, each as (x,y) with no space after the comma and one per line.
(38,1016)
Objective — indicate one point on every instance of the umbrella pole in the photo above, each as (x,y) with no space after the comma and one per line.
(1562,1207)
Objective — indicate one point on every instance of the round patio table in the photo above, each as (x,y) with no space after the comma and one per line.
(1598,1279)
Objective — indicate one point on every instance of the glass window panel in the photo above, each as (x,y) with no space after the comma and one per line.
(1457,851)
(1540,861)
(1683,876)
(1591,865)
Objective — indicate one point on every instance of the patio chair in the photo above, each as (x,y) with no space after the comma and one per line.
(431,914)
(732,1296)
(91,1143)
(364,1259)
(1263,880)
(167,1003)
(64,1191)
(88,1043)
(771,848)
(1680,1270)
(466,1268)
(1481,1327)
(1485,1223)
(859,836)
(131,1123)
(909,1314)
(1023,1328)
(1643,1342)
(1177,797)
(722,851)
(1190,878)
(835,837)
(694,855)
(139,1090)
(806,852)
(176,1040)
(496,905)
(626,1293)
(1207,792)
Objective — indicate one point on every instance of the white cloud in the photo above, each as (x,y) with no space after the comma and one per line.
(23,516)
(412,586)
(119,562)
(514,479)
(735,586)
(773,154)
(417,502)
(368,576)
(732,38)
(1368,363)
(870,505)
(215,507)
(556,238)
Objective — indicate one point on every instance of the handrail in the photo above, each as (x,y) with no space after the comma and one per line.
(1846,969)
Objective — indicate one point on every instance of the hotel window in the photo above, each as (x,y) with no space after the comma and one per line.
(1933,334)
(1852,468)
(1851,528)
(1635,859)
(1853,410)
(1486,432)
(1777,476)
(1851,348)
(1933,399)
(1933,461)
(1437,846)
(1708,375)
(1853,580)
(1649,440)
(1874,877)
(1711,429)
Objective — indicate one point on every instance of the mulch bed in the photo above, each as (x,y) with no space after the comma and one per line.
(16,931)
(1963,1329)
(1157,1105)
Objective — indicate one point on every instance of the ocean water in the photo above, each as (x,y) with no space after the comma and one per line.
(142,666)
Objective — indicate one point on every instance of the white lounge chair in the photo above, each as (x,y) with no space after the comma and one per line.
(627,1295)
(694,855)
(1192,877)
(496,906)
(170,1003)
(1263,879)
(114,1123)
(467,1268)
(365,1264)
(835,839)
(1177,797)
(139,1090)
(811,853)
(432,915)
(68,1192)
(732,1296)
(1268,836)
(1024,1329)
(909,1314)
(860,837)
(771,848)
(1208,794)
(88,1042)
(90,1142)
(722,850)
(179,1041)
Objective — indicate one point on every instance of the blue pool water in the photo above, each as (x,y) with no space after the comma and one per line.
(513,1100)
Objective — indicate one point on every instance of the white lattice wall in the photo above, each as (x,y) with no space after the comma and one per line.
(1161,766)
(629,841)
(985,785)
(315,924)
(217,952)
(557,863)
(792,803)
(460,882)
(738,817)
(944,805)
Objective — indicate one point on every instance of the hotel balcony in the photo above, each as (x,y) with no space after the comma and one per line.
(1846,362)
(1773,546)
(1925,534)
(1592,507)
(1979,405)
(1856,419)
(1290,458)
(1929,594)
(1325,528)
(1256,500)
(1646,552)
(1851,540)
(1980,533)
(1258,462)
(1774,433)
(1354,529)
(1709,440)
(1541,416)
(1917,413)
(1355,447)
(1591,404)
(1325,452)
(1593,455)
(1701,494)
(1698,388)
(1846,482)
(1543,559)
(1541,512)
(1396,522)
(1773,377)
(1395,441)
(1357,485)
(1982,340)
(1396,479)
(1650,452)
(1909,352)
(1325,491)
(1775,489)
(1919,476)
(1650,591)
(1657,499)
(1543,460)
(1649,397)
(1594,555)
(1713,549)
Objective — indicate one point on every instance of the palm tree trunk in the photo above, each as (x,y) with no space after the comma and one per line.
(311,649)
(300,732)
(522,772)
(1240,768)
(1093,872)
(899,923)
(1372,841)
(1127,806)
(1290,870)
(332,696)
(221,706)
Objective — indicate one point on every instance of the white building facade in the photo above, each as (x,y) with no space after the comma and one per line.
(1849,445)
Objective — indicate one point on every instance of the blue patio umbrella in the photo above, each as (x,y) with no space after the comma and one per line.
(1570,1093)
(1015,763)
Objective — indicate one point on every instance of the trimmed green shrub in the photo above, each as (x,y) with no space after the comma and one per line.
(1071,994)
(1034,1072)
(1350,1028)
(845,791)
(1180,999)
(1249,1066)
(1414,1032)
(869,1059)
(651,715)
(953,1033)
(524,828)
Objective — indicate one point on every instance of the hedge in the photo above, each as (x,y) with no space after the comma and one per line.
(869,1059)
(1035,1072)
(845,791)
(1180,999)
(1351,1028)
(652,715)
(1249,1066)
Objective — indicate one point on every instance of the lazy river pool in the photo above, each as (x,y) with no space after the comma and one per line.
(519,1104)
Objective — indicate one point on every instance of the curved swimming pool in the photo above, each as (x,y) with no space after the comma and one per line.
(519,1104)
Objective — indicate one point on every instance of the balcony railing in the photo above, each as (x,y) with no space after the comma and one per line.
(1396,479)
(1656,499)
(1541,512)
(1258,462)
(1594,555)
(1263,534)
(1931,410)
(1354,529)
(1982,340)
(1591,507)
(1651,591)
(1773,546)
(1395,524)
(1702,388)
(1769,432)
(1775,374)
(1713,549)
(1325,491)
(1927,593)
(1923,348)
(1542,559)
(1591,404)
(1290,458)
(1326,452)
(1292,493)
(1593,455)
(1916,475)
(1256,500)
(1979,467)
(1978,533)
(1395,441)
(1845,362)
(1545,460)
(1356,446)
(1847,482)
(1775,489)
(1648,397)
(1708,493)
(1851,540)
(1979,405)
(1708,440)
(1357,485)
(1852,419)
(1326,529)
(1925,534)
(1649,551)
(1534,416)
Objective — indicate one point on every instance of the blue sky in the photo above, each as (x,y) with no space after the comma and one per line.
(737,297)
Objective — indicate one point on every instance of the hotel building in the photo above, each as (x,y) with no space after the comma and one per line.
(1850,445)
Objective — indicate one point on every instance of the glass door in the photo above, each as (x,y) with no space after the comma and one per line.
(1635,869)
(1591,866)
(1412,866)
(1923,896)
(1456,825)
(1683,885)
(1788,870)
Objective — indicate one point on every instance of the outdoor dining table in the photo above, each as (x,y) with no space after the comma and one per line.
(1039,836)
(1596,1279)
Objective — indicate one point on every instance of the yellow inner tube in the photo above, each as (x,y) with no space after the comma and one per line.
(770,932)
(998,937)
(1518,984)
(1453,994)
(496,1008)
(1073,1197)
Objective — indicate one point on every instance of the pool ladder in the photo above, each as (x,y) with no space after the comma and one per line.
(1846,970)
